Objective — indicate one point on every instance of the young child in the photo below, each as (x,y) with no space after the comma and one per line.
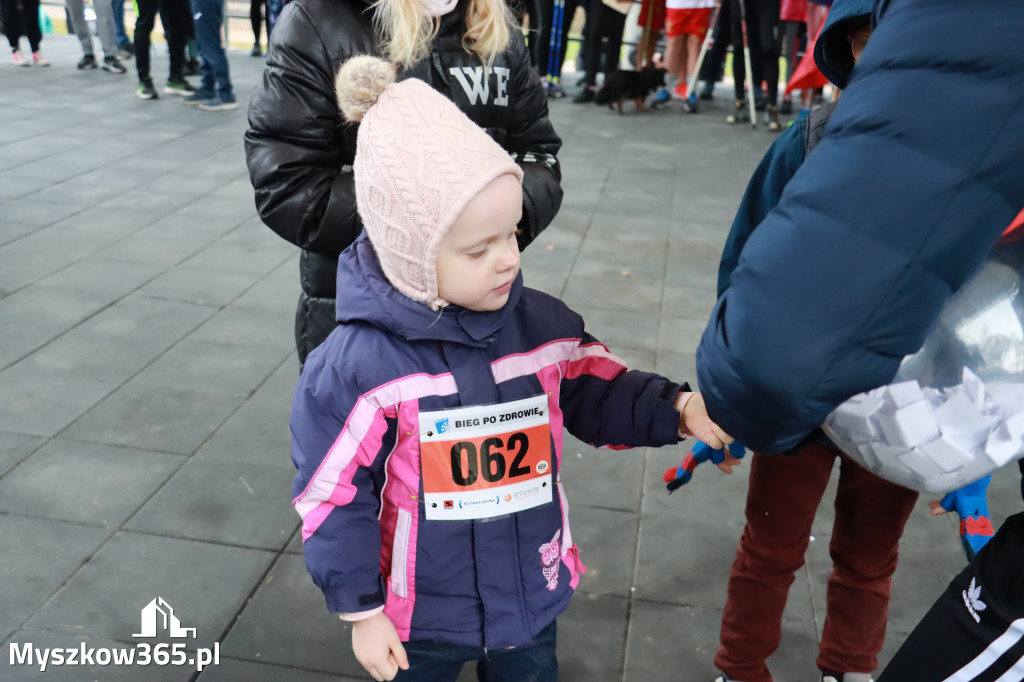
(785,490)
(427,429)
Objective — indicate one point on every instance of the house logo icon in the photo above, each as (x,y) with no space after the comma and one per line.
(158,615)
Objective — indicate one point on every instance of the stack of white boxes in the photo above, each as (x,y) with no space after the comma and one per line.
(929,439)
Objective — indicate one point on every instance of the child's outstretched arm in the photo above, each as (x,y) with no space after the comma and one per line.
(605,404)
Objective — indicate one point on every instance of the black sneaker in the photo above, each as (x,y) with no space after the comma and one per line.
(583,96)
(707,92)
(771,119)
(113,65)
(147,90)
(88,63)
(256,51)
(740,114)
(178,86)
(126,51)
(787,106)
(192,67)
(691,104)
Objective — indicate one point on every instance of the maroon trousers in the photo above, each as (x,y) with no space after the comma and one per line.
(784,494)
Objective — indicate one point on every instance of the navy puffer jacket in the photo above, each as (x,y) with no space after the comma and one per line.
(919,172)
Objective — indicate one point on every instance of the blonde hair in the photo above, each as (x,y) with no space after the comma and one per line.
(407,30)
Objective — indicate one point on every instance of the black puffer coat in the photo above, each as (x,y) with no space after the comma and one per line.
(299,150)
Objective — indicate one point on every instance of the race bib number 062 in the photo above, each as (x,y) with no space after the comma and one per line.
(485,461)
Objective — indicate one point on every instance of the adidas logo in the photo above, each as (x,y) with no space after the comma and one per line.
(972,600)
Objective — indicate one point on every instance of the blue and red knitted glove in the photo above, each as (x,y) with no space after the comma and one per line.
(700,453)
(970,505)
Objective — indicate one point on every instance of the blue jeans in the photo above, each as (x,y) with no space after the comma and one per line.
(209,18)
(122,37)
(435,662)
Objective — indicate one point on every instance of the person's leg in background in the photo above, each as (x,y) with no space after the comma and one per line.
(209,19)
(32,30)
(126,50)
(739,66)
(108,36)
(714,61)
(870,516)
(176,17)
(143,28)
(256,21)
(612,52)
(76,11)
(12,29)
(274,8)
(598,18)
(790,49)
(568,14)
(783,496)
(769,38)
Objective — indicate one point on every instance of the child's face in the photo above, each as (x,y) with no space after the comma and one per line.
(479,257)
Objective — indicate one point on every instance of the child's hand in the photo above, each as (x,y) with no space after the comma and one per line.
(378,648)
(693,418)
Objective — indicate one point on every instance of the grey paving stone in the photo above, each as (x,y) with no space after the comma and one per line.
(592,638)
(160,204)
(48,552)
(233,503)
(19,269)
(102,275)
(199,285)
(143,316)
(611,479)
(100,356)
(73,243)
(680,335)
(679,367)
(271,293)
(41,405)
(681,302)
(109,483)
(153,249)
(667,641)
(9,231)
(621,329)
(607,542)
(620,268)
(233,670)
(206,585)
(237,258)
(287,623)
(106,220)
(14,447)
(248,327)
(258,432)
(620,295)
(154,418)
(212,367)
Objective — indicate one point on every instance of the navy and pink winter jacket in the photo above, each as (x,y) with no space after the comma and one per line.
(355,443)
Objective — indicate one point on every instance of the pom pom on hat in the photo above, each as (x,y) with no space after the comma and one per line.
(360,82)
(419,162)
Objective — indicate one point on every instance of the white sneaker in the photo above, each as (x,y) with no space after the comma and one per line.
(39,58)
(18,57)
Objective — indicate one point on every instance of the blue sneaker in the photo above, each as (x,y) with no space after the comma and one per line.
(690,104)
(198,97)
(661,97)
(219,104)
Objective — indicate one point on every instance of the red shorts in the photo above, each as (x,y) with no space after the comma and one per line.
(657,19)
(694,22)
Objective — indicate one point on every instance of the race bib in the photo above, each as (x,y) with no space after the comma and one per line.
(485,461)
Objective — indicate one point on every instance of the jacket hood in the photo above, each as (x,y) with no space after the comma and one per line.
(365,295)
(832,52)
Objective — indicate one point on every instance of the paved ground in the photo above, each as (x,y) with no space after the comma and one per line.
(146,367)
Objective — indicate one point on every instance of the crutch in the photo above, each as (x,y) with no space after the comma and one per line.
(748,82)
(709,40)
(555,44)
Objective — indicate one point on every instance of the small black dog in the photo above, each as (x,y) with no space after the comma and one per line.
(635,85)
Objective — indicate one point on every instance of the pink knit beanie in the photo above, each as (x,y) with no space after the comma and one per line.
(419,162)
